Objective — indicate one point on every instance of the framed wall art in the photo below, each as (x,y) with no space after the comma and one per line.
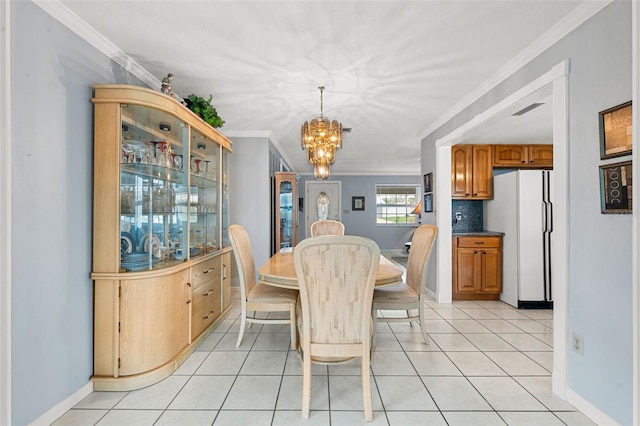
(357,203)
(428,182)
(615,188)
(615,131)
(428,203)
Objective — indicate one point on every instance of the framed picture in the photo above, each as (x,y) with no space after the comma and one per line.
(615,131)
(357,203)
(428,203)
(615,188)
(428,182)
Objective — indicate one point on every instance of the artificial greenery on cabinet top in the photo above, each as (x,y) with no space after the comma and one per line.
(204,109)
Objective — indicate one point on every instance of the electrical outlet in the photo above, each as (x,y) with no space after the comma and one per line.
(577,343)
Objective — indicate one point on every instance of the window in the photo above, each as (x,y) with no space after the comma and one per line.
(394,204)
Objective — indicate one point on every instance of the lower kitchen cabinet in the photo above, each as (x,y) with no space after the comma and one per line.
(477,268)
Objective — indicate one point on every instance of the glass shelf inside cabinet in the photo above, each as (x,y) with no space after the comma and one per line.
(204,195)
(154,193)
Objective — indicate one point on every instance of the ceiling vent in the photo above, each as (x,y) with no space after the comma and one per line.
(527,109)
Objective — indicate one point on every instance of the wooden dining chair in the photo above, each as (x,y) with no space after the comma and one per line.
(327,227)
(336,276)
(256,297)
(408,295)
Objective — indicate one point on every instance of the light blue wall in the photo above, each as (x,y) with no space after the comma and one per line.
(600,246)
(250,194)
(363,223)
(52,178)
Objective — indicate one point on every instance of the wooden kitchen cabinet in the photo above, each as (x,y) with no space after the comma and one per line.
(477,268)
(472,172)
(523,156)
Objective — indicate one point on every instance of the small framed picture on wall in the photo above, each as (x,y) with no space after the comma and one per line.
(428,203)
(428,182)
(357,203)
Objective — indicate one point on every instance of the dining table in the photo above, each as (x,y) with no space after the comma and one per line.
(280,271)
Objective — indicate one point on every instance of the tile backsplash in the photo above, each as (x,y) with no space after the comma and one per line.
(470,213)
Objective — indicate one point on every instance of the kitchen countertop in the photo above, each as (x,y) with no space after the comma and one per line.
(484,233)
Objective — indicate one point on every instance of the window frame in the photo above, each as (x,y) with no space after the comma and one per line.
(409,207)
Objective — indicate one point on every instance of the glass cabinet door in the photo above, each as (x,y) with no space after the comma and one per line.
(153,189)
(204,236)
(226,242)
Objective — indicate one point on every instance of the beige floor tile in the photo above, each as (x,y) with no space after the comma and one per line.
(191,418)
(540,388)
(489,342)
(264,363)
(253,393)
(415,418)
(433,364)
(525,342)
(468,326)
(504,393)
(517,364)
(80,417)
(352,418)
(345,393)
(500,326)
(455,393)
(203,393)
(531,326)
(545,359)
(130,418)
(479,313)
(472,418)
(476,364)
(403,394)
(293,366)
(223,363)
(98,400)
(415,343)
(453,342)
(530,419)
(574,418)
(290,396)
(243,418)
(451,313)
(157,396)
(294,418)
(391,363)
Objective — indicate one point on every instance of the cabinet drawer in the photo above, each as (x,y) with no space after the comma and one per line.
(205,293)
(205,317)
(204,271)
(478,242)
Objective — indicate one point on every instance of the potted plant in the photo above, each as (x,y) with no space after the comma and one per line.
(204,109)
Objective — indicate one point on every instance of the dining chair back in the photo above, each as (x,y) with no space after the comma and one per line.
(256,297)
(336,276)
(409,295)
(327,227)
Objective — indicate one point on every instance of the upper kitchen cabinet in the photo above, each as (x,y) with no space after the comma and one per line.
(523,156)
(472,172)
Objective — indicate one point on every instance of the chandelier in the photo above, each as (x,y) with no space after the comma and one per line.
(321,138)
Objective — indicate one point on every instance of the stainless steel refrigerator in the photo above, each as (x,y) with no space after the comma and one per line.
(522,209)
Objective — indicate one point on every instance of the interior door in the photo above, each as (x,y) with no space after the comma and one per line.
(313,191)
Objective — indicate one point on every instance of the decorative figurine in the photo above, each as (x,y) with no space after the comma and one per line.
(166,85)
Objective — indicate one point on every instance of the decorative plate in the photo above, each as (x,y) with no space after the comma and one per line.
(127,243)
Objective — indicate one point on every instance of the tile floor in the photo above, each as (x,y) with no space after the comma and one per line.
(488,364)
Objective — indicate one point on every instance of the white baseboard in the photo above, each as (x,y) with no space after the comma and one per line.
(588,409)
(63,406)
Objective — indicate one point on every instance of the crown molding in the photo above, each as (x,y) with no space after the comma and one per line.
(76,24)
(581,14)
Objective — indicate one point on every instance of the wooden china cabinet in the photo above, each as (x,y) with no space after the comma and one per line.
(161,253)
(285,210)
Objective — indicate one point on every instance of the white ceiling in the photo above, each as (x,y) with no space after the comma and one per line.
(391,68)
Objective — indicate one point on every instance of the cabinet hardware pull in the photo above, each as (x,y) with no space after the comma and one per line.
(208,270)
(208,315)
(523,161)
(189,285)
(479,242)
(188,301)
(210,291)
(224,272)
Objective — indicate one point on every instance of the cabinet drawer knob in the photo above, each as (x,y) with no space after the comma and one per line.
(209,292)
(208,315)
(209,270)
